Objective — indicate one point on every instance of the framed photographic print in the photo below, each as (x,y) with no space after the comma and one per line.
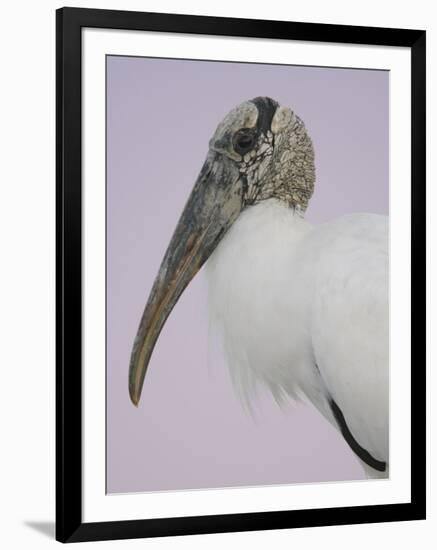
(240,274)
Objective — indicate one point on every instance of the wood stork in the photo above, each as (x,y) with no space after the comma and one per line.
(301,308)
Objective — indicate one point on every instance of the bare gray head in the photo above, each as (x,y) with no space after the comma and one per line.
(272,149)
(259,151)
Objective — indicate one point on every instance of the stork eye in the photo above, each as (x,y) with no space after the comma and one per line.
(244,140)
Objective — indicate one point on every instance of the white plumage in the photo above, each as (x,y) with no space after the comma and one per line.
(304,310)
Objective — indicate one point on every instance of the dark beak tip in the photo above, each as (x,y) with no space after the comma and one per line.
(134,396)
(135,401)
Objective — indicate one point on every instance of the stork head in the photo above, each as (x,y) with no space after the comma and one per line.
(259,151)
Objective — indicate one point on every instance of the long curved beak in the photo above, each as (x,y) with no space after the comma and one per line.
(213,205)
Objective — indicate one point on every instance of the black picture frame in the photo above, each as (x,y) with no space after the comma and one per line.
(69,524)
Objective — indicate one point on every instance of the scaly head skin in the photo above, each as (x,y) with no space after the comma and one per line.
(259,151)
(272,149)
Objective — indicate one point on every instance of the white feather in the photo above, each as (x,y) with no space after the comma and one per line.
(304,310)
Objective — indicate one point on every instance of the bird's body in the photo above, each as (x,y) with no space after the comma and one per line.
(303,309)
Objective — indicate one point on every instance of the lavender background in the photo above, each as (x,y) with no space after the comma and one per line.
(190,431)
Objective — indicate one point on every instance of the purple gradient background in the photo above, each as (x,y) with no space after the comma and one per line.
(190,431)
